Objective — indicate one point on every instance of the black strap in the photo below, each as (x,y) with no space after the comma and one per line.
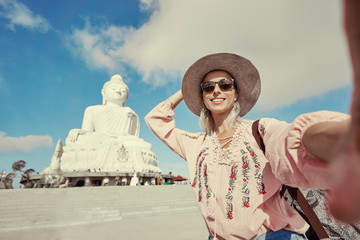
(295,193)
(312,218)
(257,136)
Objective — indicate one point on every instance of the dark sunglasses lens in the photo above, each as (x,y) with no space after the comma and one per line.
(208,86)
(225,84)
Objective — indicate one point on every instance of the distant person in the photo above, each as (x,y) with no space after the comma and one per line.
(117,181)
(158,178)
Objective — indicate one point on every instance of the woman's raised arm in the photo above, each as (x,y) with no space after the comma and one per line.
(174,99)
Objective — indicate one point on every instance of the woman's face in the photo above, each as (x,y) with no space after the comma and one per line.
(219,101)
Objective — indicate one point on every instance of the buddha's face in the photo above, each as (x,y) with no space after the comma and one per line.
(116,93)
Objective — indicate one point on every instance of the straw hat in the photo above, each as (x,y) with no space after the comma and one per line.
(242,70)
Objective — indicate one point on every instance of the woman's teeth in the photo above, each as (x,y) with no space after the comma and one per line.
(217,99)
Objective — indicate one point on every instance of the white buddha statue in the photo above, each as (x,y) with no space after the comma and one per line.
(108,140)
(112,117)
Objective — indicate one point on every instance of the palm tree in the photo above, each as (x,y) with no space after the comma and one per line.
(18,165)
(25,175)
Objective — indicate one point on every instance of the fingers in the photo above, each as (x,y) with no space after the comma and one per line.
(345,194)
(352,30)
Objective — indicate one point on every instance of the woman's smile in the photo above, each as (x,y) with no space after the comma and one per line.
(217,100)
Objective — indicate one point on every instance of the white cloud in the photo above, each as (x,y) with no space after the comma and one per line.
(23,144)
(298,46)
(99,47)
(19,14)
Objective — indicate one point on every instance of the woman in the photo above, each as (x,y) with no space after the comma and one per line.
(237,186)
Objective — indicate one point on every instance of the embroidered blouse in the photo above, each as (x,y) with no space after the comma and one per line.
(238,188)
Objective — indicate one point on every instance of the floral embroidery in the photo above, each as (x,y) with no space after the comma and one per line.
(245,179)
(199,184)
(246,200)
(197,162)
(206,182)
(249,169)
(229,195)
(261,187)
(197,179)
(192,136)
(258,173)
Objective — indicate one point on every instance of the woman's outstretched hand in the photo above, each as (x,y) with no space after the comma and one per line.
(345,194)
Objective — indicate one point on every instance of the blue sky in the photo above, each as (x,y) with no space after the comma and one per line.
(56,55)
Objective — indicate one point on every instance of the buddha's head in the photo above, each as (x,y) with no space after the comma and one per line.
(115,91)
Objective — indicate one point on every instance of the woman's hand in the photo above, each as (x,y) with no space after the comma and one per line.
(345,194)
(175,99)
(322,140)
(339,142)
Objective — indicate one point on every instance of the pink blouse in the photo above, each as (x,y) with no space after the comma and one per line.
(238,188)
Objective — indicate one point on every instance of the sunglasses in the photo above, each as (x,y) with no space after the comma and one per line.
(224,84)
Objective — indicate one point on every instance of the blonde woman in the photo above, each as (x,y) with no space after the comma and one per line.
(237,186)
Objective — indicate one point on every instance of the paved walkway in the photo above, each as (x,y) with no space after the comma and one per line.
(188,226)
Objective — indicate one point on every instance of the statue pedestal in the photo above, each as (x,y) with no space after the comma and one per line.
(102,153)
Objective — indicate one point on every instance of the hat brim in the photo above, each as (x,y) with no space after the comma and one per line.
(242,70)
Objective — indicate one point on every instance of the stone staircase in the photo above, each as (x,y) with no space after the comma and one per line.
(58,207)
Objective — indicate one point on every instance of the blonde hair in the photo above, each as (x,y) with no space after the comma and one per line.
(207,123)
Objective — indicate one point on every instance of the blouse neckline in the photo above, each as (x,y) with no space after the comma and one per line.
(225,155)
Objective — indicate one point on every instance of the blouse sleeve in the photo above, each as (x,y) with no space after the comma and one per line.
(290,161)
(160,120)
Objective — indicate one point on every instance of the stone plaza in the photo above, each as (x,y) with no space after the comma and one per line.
(143,212)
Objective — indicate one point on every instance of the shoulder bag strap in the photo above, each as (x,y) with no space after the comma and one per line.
(312,218)
(257,136)
(295,193)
